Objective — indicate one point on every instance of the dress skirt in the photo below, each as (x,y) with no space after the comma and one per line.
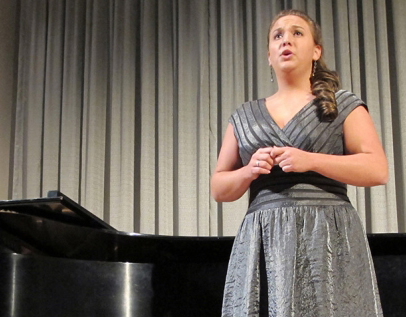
(303,261)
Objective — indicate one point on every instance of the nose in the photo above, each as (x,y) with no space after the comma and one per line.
(286,39)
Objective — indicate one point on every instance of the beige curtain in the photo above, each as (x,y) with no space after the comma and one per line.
(121,105)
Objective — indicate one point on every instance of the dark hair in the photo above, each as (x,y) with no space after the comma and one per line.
(324,82)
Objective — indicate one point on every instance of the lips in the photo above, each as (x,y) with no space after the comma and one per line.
(286,53)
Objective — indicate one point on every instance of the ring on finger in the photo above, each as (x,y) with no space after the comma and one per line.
(257,163)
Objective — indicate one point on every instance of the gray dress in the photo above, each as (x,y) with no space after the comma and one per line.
(301,249)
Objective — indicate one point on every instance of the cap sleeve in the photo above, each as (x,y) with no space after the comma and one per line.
(347,102)
(238,122)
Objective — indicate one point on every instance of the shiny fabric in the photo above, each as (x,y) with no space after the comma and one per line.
(301,249)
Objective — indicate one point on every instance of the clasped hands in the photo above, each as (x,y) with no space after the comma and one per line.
(289,159)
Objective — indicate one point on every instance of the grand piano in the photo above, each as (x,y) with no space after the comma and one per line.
(58,259)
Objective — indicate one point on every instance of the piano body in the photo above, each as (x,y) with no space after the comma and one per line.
(57,259)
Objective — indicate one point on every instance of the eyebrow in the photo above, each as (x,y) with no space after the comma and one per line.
(293,26)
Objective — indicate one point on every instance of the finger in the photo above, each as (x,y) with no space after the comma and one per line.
(286,165)
(265,150)
(265,157)
(264,165)
(260,170)
(279,159)
(276,151)
(287,168)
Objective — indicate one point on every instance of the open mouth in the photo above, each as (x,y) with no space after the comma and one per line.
(286,53)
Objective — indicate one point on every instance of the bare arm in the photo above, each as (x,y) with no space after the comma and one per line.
(230,179)
(365,164)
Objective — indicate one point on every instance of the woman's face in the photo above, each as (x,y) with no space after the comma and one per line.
(291,45)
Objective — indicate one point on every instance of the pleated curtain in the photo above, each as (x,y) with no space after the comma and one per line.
(122,105)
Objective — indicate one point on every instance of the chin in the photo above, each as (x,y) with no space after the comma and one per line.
(287,69)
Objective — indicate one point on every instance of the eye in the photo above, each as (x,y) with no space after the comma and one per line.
(277,36)
(298,33)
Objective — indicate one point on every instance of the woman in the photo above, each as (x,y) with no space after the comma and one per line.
(301,249)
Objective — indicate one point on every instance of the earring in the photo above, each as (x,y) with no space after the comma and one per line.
(271,74)
(314,68)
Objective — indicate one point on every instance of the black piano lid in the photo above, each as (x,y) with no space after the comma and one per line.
(56,206)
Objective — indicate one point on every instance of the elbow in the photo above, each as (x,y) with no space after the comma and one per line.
(214,191)
(383,180)
(379,172)
(217,190)
(381,176)
(218,195)
(215,196)
(224,197)
(384,174)
(378,182)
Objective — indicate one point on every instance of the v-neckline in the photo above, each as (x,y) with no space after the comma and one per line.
(263,104)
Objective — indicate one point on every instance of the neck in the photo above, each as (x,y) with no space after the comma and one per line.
(294,82)
(293,87)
